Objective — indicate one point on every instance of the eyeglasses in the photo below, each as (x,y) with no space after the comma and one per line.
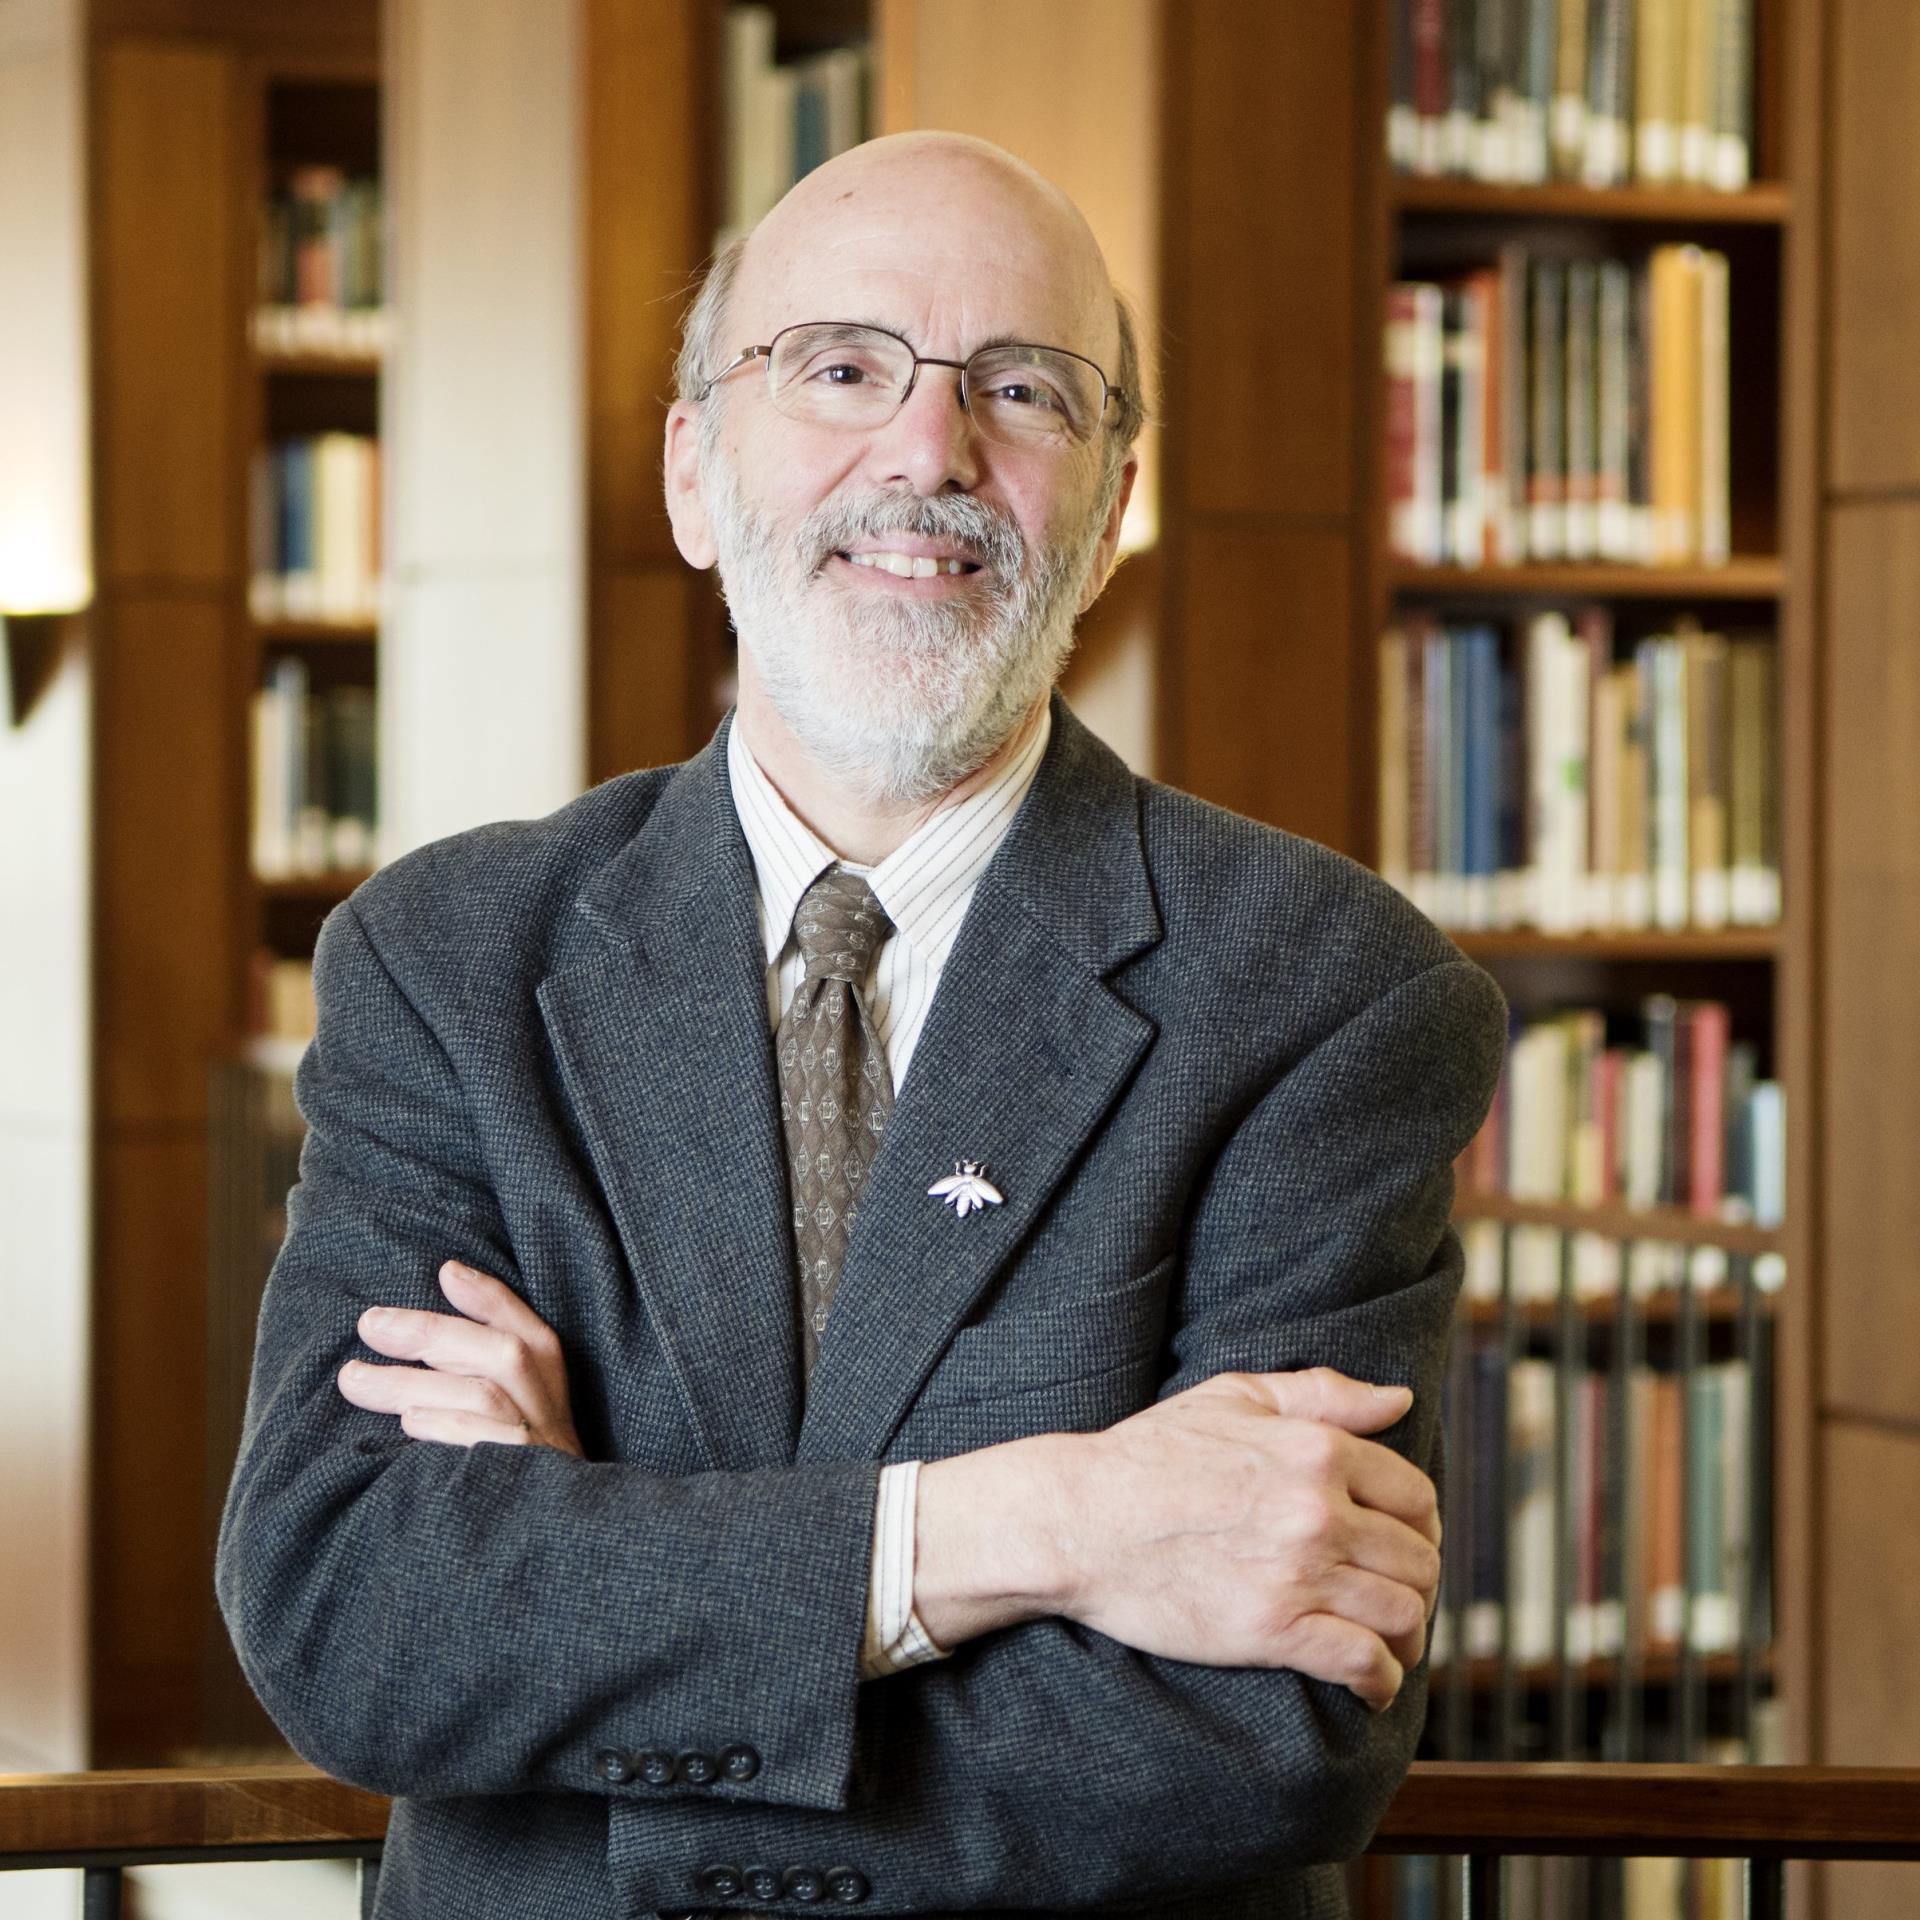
(833,373)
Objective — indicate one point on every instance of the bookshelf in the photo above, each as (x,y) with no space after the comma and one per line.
(197,113)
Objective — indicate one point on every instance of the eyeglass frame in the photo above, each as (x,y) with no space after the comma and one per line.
(747,355)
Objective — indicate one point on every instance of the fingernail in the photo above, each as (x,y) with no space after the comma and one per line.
(377,1317)
(1391,1393)
(454,1270)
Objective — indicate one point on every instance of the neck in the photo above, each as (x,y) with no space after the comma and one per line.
(857,829)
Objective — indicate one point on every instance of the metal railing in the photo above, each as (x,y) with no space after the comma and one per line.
(1483,1813)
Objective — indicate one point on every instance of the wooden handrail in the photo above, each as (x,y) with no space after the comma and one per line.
(1796,1813)
(1551,1807)
(172,1809)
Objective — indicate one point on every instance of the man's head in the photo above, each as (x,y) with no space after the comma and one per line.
(814,493)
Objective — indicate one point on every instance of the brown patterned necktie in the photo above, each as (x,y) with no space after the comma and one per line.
(835,1091)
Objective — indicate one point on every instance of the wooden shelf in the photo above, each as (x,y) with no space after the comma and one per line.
(313,886)
(362,366)
(312,633)
(1622,1223)
(1625,943)
(1745,577)
(1659,1666)
(1766,204)
(1716,1306)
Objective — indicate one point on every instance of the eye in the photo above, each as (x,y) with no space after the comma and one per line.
(842,373)
(1022,393)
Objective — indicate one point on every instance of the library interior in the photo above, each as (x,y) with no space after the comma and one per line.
(1528,507)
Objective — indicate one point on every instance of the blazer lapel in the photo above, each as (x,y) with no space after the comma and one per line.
(661,1035)
(1024,1051)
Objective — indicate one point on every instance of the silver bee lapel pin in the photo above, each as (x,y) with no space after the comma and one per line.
(967,1189)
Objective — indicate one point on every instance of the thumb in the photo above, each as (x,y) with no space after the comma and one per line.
(1324,1393)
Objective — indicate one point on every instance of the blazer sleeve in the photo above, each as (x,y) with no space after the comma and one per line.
(447,1620)
(1049,1766)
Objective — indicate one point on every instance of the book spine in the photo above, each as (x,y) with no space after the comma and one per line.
(1582,481)
(1546,471)
(1514,358)
(1711,1040)
(1570,90)
(1733,97)
(1708,796)
(1393,759)
(1713,509)
(1612,526)
(1655,155)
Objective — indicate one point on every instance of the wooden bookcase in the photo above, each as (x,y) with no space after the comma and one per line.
(1281,228)
(193,105)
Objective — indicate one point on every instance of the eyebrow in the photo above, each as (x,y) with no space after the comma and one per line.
(984,346)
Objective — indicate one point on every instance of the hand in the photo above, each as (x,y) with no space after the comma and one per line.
(496,1373)
(1245,1522)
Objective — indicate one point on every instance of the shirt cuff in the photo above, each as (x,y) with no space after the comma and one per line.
(894,1639)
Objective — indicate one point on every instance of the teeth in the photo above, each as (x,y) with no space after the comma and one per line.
(908,566)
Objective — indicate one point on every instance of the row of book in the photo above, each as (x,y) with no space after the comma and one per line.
(1605,1512)
(1543,409)
(314,807)
(1654,93)
(1657,1107)
(1536,1270)
(322,282)
(315,532)
(281,1014)
(784,118)
(1572,1888)
(1530,778)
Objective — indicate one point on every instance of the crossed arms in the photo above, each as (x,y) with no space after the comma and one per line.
(452,1619)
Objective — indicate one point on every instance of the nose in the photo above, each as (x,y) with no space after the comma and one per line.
(930,444)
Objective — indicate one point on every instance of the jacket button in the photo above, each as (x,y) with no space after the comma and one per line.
(654,1767)
(848,1885)
(613,1766)
(699,1769)
(805,1884)
(723,1882)
(763,1883)
(740,1762)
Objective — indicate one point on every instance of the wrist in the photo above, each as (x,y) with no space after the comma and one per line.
(990,1547)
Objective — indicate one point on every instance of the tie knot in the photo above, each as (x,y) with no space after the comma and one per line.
(840,925)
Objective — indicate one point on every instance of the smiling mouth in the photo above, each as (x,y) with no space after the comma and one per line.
(909,566)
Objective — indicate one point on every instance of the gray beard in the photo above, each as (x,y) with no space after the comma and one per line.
(898,700)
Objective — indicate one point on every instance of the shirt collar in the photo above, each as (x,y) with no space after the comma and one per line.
(927,881)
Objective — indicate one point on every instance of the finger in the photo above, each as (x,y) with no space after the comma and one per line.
(455,1428)
(1384,1607)
(1344,1655)
(395,1389)
(1378,1477)
(444,1340)
(494,1304)
(1324,1393)
(1381,1544)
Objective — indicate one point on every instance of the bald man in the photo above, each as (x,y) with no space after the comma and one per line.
(918,1261)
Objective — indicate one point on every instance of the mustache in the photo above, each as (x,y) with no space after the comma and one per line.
(991,540)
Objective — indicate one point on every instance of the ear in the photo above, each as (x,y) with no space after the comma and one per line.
(686,497)
(1110,536)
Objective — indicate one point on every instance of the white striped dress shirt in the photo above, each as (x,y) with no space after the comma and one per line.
(925,885)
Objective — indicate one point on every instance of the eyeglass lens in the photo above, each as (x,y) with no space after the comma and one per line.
(855,377)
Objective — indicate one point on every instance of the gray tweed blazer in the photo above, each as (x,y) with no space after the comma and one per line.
(1220,1075)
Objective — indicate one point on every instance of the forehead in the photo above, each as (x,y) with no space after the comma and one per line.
(948,257)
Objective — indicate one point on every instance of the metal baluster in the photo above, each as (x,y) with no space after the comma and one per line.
(1483,1887)
(100,1893)
(1766,1890)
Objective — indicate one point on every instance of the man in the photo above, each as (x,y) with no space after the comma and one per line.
(931,1220)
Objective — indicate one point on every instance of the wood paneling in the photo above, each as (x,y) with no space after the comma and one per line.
(166,311)
(1267,700)
(1261,258)
(164,798)
(645,129)
(641,699)
(1874,414)
(1870,941)
(152,1559)
(337,26)
(1871,1708)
